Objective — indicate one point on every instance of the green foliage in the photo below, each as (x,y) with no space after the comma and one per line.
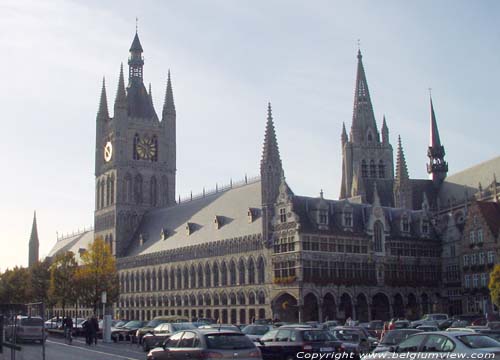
(40,281)
(494,285)
(15,286)
(63,287)
(97,274)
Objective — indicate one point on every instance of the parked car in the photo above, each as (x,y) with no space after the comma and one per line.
(221,327)
(127,332)
(26,328)
(53,323)
(255,332)
(354,338)
(394,338)
(205,344)
(428,328)
(493,333)
(162,332)
(438,318)
(285,342)
(365,335)
(424,345)
(148,328)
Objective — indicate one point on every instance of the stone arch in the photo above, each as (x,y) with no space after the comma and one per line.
(232,273)
(285,308)
(251,298)
(261,270)
(208,275)
(215,272)
(311,308)
(345,306)
(251,271)
(381,307)
(424,299)
(362,308)
(241,272)
(328,307)
(223,273)
(398,306)
(412,308)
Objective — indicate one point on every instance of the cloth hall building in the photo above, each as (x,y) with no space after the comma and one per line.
(387,247)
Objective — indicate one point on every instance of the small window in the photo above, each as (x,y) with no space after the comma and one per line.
(323,217)
(405,224)
(425,227)
(187,340)
(480,236)
(283,215)
(348,219)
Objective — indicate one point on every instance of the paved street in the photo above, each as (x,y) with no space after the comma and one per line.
(57,349)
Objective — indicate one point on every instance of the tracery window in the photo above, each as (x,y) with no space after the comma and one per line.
(378,235)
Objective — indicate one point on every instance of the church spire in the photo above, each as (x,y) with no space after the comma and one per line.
(385,132)
(33,244)
(344,137)
(364,128)
(121,95)
(437,166)
(270,153)
(168,105)
(136,61)
(401,168)
(103,112)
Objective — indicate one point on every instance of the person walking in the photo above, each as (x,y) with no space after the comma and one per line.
(88,333)
(68,329)
(94,328)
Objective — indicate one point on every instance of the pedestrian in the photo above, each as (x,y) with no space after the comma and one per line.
(94,328)
(68,329)
(88,333)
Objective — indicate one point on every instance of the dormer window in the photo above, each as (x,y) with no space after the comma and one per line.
(405,224)
(472,237)
(348,218)
(283,215)
(480,236)
(323,217)
(425,226)
(251,215)
(163,234)
(142,239)
(189,228)
(218,222)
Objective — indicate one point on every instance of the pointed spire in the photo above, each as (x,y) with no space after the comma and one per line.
(34,243)
(435,141)
(168,105)
(136,44)
(121,95)
(270,152)
(401,168)
(437,166)
(363,118)
(385,132)
(344,137)
(103,102)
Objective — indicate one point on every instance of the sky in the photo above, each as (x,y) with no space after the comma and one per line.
(228,59)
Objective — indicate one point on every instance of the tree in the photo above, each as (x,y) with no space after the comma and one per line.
(494,285)
(40,281)
(97,274)
(63,280)
(15,286)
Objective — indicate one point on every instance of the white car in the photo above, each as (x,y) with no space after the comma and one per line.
(53,323)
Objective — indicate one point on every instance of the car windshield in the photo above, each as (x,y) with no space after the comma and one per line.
(228,341)
(133,324)
(395,337)
(183,326)
(31,322)
(478,341)
(255,329)
(318,335)
(154,323)
(120,324)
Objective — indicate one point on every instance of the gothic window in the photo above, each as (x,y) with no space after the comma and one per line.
(208,299)
(102,194)
(480,236)
(364,169)
(251,271)
(347,218)
(112,190)
(223,274)
(405,224)
(160,279)
(216,274)
(138,189)
(283,215)
(216,299)
(261,297)
(381,169)
(369,136)
(98,195)
(472,237)
(241,298)
(185,276)
(232,299)
(223,299)
(208,276)
(108,190)
(192,277)
(153,191)
(178,280)
(251,298)
(425,226)
(200,276)
(241,272)
(232,273)
(323,217)
(373,169)
(136,141)
(378,235)
(260,271)
(155,144)
(164,190)
(127,188)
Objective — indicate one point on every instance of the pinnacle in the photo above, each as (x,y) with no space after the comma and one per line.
(169,105)
(121,95)
(401,168)
(435,141)
(103,102)
(271,151)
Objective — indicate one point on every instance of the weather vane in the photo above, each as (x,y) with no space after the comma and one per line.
(430,92)
(359,44)
(136,23)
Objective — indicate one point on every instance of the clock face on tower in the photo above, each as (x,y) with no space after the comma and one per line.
(146,148)
(108,151)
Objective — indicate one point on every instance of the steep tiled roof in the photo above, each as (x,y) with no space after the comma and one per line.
(491,214)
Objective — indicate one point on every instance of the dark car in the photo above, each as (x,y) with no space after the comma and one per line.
(162,332)
(284,343)
(206,344)
(393,338)
(127,332)
(352,337)
(365,336)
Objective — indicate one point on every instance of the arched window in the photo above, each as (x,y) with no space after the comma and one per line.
(160,279)
(164,191)
(223,274)
(378,235)
(153,191)
(138,189)
(127,188)
(232,273)
(364,169)
(102,194)
(208,276)
(373,169)
(241,272)
(108,190)
(405,224)
(381,169)
(251,298)
(260,271)
(185,274)
(251,271)
(200,276)
(135,155)
(215,271)
(369,136)
(192,277)
(178,280)
(261,297)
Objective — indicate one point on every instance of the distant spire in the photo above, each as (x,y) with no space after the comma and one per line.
(437,166)
(136,44)
(363,118)
(34,243)
(435,141)
(401,168)
(103,102)
(344,137)
(270,152)
(168,105)
(385,132)
(121,95)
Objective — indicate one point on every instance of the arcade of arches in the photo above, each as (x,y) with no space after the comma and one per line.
(330,306)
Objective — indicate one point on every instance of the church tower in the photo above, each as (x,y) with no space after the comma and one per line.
(437,167)
(271,173)
(34,244)
(135,157)
(366,158)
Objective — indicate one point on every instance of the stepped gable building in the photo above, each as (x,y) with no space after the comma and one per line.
(255,249)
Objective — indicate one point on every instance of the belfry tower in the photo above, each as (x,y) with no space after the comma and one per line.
(135,155)
(437,167)
(366,157)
